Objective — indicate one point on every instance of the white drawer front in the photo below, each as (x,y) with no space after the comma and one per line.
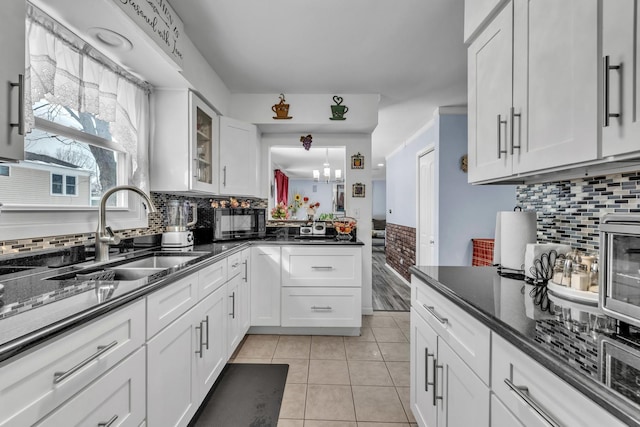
(234,264)
(119,395)
(307,266)
(322,307)
(27,388)
(554,397)
(469,338)
(211,278)
(167,304)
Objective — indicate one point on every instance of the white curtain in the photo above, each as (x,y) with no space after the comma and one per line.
(63,70)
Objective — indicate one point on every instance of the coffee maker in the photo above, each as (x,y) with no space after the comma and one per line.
(177,235)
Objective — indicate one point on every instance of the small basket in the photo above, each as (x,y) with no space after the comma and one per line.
(344,226)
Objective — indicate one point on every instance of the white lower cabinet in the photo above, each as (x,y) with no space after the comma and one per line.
(537,397)
(265,286)
(42,379)
(115,399)
(321,266)
(321,307)
(500,415)
(234,314)
(445,391)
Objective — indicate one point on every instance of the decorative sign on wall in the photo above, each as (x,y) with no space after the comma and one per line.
(306,141)
(357,190)
(158,19)
(338,111)
(357,161)
(281,109)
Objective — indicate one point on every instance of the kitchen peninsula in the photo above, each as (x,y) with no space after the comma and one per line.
(523,365)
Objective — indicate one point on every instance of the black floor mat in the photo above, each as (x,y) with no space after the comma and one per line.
(245,395)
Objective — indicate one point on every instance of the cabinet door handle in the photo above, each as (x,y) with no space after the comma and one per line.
(427,355)
(435,382)
(199,351)
(206,321)
(432,310)
(321,267)
(513,126)
(607,69)
(523,393)
(108,423)
(224,176)
(246,270)
(196,169)
(321,308)
(500,123)
(20,124)
(233,305)
(61,376)
(235,264)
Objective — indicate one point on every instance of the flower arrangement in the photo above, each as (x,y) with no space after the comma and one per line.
(311,207)
(232,203)
(296,204)
(280,211)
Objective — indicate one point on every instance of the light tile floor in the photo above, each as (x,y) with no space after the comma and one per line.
(341,381)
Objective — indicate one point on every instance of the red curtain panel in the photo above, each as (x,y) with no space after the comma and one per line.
(282,186)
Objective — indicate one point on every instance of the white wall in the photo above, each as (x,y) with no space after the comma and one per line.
(359,208)
(379,194)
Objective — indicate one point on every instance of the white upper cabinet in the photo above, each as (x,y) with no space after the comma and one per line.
(533,89)
(12,31)
(184,151)
(476,13)
(620,48)
(238,158)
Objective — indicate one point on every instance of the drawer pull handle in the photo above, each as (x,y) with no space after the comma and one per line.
(235,264)
(523,393)
(108,423)
(427,355)
(233,305)
(321,308)
(206,321)
(199,351)
(432,310)
(435,382)
(61,376)
(322,267)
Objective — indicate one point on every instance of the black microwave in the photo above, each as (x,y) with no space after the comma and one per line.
(238,223)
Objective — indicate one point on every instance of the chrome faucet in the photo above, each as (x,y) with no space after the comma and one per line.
(104,234)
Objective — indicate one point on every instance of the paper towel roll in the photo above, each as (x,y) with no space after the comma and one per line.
(533,251)
(515,230)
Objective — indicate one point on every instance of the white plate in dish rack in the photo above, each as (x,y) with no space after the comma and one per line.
(584,297)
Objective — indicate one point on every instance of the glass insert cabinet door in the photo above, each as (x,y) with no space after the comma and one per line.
(204,146)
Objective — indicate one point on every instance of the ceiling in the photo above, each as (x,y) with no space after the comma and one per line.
(410,52)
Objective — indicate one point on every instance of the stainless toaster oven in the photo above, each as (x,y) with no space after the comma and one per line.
(620,266)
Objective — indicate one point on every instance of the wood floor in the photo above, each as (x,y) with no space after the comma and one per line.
(390,293)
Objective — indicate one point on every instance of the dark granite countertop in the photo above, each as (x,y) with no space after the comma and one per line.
(37,301)
(571,339)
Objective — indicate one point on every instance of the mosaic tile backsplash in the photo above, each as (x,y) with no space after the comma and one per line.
(157,223)
(569,211)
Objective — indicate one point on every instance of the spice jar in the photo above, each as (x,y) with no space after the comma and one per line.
(558,272)
(580,277)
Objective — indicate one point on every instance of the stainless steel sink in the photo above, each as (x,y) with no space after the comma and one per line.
(134,273)
(159,261)
(108,274)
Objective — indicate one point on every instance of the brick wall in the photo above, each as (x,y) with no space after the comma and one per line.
(400,248)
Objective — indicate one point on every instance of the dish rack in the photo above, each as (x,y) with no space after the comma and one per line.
(344,226)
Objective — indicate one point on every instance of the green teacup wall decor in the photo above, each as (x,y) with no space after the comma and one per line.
(281,109)
(338,111)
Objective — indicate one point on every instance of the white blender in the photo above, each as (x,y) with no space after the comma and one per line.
(177,236)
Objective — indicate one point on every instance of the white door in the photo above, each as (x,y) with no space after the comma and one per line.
(234,300)
(265,286)
(490,98)
(621,44)
(245,287)
(426,209)
(212,353)
(555,90)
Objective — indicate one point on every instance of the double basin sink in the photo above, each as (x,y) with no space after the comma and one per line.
(137,268)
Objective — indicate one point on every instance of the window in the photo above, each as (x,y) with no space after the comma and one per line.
(64,185)
(5,170)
